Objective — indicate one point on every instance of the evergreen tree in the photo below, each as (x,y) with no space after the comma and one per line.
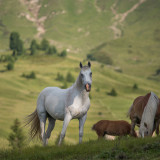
(14,37)
(51,50)
(33,47)
(16,44)
(44,45)
(59,77)
(63,53)
(69,77)
(16,138)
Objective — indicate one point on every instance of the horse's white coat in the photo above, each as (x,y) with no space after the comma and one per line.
(65,104)
(147,121)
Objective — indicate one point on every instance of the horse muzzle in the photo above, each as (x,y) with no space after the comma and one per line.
(88,87)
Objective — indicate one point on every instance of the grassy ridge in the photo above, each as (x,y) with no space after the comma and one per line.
(126,148)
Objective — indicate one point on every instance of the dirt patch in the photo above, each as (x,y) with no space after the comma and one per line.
(119,18)
(32,14)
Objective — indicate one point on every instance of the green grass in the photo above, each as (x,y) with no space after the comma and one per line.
(126,148)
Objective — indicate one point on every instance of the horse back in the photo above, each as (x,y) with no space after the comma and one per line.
(139,105)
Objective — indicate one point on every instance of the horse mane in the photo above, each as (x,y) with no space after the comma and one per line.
(150,112)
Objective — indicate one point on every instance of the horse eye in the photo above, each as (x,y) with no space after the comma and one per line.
(91,74)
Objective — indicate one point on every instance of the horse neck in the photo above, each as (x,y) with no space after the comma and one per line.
(78,85)
(150,110)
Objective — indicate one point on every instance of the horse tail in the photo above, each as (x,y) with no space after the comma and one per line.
(34,122)
(129,111)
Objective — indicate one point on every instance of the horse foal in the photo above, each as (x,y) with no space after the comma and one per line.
(114,128)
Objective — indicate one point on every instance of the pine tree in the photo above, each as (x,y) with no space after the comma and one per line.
(69,77)
(44,45)
(33,47)
(16,44)
(16,138)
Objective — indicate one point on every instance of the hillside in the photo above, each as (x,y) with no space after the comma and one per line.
(129,29)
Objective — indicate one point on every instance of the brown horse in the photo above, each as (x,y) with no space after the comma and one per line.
(139,109)
(114,128)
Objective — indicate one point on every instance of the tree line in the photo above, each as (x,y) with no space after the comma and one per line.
(17,46)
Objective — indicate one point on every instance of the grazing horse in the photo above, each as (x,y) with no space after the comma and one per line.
(62,104)
(114,128)
(145,113)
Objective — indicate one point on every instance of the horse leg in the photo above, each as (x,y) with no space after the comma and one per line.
(50,128)
(43,117)
(133,126)
(81,126)
(67,119)
(157,126)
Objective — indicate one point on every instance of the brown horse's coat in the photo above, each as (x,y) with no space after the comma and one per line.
(114,128)
(136,111)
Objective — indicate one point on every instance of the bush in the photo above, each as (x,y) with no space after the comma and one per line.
(135,86)
(52,50)
(32,75)
(69,77)
(63,53)
(64,85)
(59,77)
(44,45)
(112,92)
(97,90)
(91,57)
(33,47)
(16,138)
(10,66)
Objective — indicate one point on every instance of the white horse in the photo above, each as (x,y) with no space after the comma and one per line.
(147,122)
(62,104)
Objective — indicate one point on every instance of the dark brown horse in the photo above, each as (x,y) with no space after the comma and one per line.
(114,128)
(138,111)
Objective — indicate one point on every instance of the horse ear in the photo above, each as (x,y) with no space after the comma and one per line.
(89,64)
(80,65)
(145,124)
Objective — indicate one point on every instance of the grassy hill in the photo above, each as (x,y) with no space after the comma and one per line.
(81,27)
(97,150)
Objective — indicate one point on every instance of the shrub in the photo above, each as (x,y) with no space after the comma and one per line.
(33,47)
(63,53)
(59,77)
(52,50)
(16,138)
(135,86)
(158,72)
(91,57)
(69,77)
(32,75)
(112,92)
(64,85)
(97,90)
(10,66)
(44,45)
